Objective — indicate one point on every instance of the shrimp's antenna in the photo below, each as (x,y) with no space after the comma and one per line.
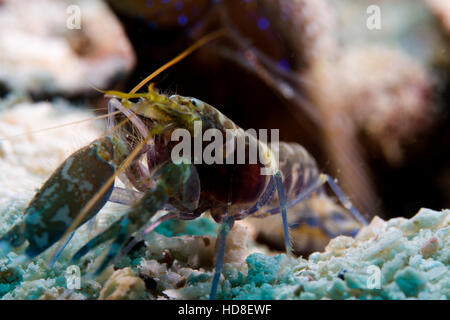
(59,126)
(132,94)
(202,41)
(199,43)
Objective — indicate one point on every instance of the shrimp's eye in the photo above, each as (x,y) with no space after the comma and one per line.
(194,102)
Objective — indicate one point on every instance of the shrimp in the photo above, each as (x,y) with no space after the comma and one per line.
(138,148)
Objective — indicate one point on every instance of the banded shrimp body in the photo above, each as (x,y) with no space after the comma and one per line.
(137,149)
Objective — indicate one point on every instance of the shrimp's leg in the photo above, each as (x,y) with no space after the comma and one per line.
(220,253)
(124,196)
(120,230)
(316,185)
(147,230)
(344,200)
(58,253)
(175,184)
(91,223)
(303,195)
(282,200)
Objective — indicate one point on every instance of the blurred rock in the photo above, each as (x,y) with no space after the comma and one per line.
(40,54)
(164,15)
(441,8)
(387,94)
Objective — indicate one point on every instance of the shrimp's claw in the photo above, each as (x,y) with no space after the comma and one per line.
(106,235)
(12,239)
(56,205)
(119,231)
(177,184)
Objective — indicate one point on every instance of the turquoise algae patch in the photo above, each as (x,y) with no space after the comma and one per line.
(196,227)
